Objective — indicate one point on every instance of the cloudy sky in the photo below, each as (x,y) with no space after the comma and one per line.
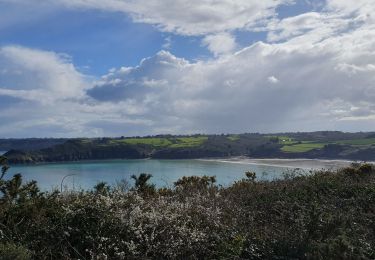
(74,68)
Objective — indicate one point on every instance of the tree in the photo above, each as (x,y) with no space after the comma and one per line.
(4,166)
(195,183)
(13,190)
(102,188)
(141,183)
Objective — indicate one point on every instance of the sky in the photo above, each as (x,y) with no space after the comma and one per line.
(90,68)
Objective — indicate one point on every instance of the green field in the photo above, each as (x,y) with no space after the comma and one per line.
(302,148)
(307,146)
(179,142)
(365,141)
(85,141)
(157,142)
(285,140)
(188,142)
(291,146)
(233,138)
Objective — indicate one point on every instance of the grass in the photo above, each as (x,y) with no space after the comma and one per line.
(233,138)
(156,142)
(85,141)
(189,142)
(282,139)
(291,146)
(360,142)
(287,141)
(302,148)
(179,142)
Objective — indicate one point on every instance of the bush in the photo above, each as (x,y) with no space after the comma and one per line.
(13,252)
(326,215)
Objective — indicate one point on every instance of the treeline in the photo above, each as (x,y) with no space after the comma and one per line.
(329,145)
(29,144)
(326,215)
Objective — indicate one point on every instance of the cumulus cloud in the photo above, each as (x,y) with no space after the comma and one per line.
(324,67)
(39,75)
(42,94)
(315,72)
(294,26)
(210,18)
(222,43)
(230,93)
(41,91)
(189,17)
(335,18)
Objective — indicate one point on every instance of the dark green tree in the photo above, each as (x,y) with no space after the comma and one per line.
(141,183)
(102,188)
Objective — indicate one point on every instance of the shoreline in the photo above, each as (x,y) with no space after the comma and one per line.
(287,163)
(301,163)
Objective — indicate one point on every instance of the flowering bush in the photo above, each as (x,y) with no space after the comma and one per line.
(324,215)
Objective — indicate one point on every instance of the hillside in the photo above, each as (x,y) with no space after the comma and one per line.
(29,144)
(319,145)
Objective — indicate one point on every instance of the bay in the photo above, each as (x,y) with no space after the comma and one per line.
(85,174)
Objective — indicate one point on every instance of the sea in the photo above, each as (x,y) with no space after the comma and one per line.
(84,175)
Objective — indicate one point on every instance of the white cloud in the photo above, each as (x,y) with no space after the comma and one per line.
(40,92)
(273,80)
(167,43)
(210,18)
(294,26)
(34,74)
(350,6)
(222,43)
(189,17)
(320,64)
(228,93)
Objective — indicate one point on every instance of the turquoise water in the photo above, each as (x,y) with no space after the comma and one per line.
(84,175)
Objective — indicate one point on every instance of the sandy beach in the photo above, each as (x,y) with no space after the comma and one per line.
(314,164)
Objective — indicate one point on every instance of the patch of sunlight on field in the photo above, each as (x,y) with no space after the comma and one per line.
(302,148)
(233,138)
(189,141)
(179,142)
(157,142)
(365,141)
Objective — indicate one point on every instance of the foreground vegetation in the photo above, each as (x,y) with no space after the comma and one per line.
(326,215)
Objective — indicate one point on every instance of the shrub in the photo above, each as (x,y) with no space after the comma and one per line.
(326,215)
(142,185)
(195,183)
(10,251)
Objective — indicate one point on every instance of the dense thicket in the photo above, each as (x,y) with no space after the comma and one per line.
(326,215)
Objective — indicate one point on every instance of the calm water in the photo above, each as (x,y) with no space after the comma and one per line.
(86,174)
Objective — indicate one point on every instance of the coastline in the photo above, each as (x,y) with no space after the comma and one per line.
(301,163)
(298,163)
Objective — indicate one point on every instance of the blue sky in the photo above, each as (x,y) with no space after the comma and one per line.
(98,41)
(184,66)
